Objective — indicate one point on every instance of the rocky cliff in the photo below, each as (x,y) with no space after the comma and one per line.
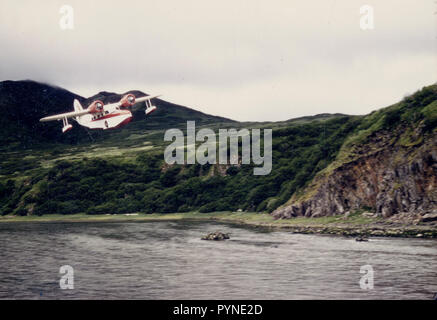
(392,170)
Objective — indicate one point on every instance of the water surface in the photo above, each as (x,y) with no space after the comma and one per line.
(167,260)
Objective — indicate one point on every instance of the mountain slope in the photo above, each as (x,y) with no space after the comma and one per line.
(388,166)
(167,115)
(23,103)
(322,165)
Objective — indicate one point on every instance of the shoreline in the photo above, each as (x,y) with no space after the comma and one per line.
(356,225)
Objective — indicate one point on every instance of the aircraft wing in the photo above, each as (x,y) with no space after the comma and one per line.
(142,99)
(65,115)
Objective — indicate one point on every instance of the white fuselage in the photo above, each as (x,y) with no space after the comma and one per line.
(101,116)
(110,117)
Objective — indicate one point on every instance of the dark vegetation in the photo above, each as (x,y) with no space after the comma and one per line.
(139,181)
(100,186)
(23,103)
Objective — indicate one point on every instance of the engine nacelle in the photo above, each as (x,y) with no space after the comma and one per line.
(128,100)
(95,107)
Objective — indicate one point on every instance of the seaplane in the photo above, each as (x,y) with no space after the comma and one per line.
(103,116)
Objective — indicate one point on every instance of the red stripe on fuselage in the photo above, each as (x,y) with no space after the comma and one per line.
(111,115)
(125,122)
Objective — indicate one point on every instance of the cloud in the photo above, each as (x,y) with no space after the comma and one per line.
(248,60)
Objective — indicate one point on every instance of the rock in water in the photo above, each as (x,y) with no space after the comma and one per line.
(359,239)
(216,236)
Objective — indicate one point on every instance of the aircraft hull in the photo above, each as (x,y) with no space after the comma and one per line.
(115,119)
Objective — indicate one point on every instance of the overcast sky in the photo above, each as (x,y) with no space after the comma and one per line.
(247,60)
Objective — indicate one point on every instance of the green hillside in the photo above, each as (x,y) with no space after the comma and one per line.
(125,171)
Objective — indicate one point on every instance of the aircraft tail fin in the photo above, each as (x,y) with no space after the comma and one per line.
(77,106)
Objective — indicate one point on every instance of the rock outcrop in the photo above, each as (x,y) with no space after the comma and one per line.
(384,176)
(217,236)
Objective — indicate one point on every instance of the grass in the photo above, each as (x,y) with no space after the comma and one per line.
(354,225)
(239,217)
(408,139)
